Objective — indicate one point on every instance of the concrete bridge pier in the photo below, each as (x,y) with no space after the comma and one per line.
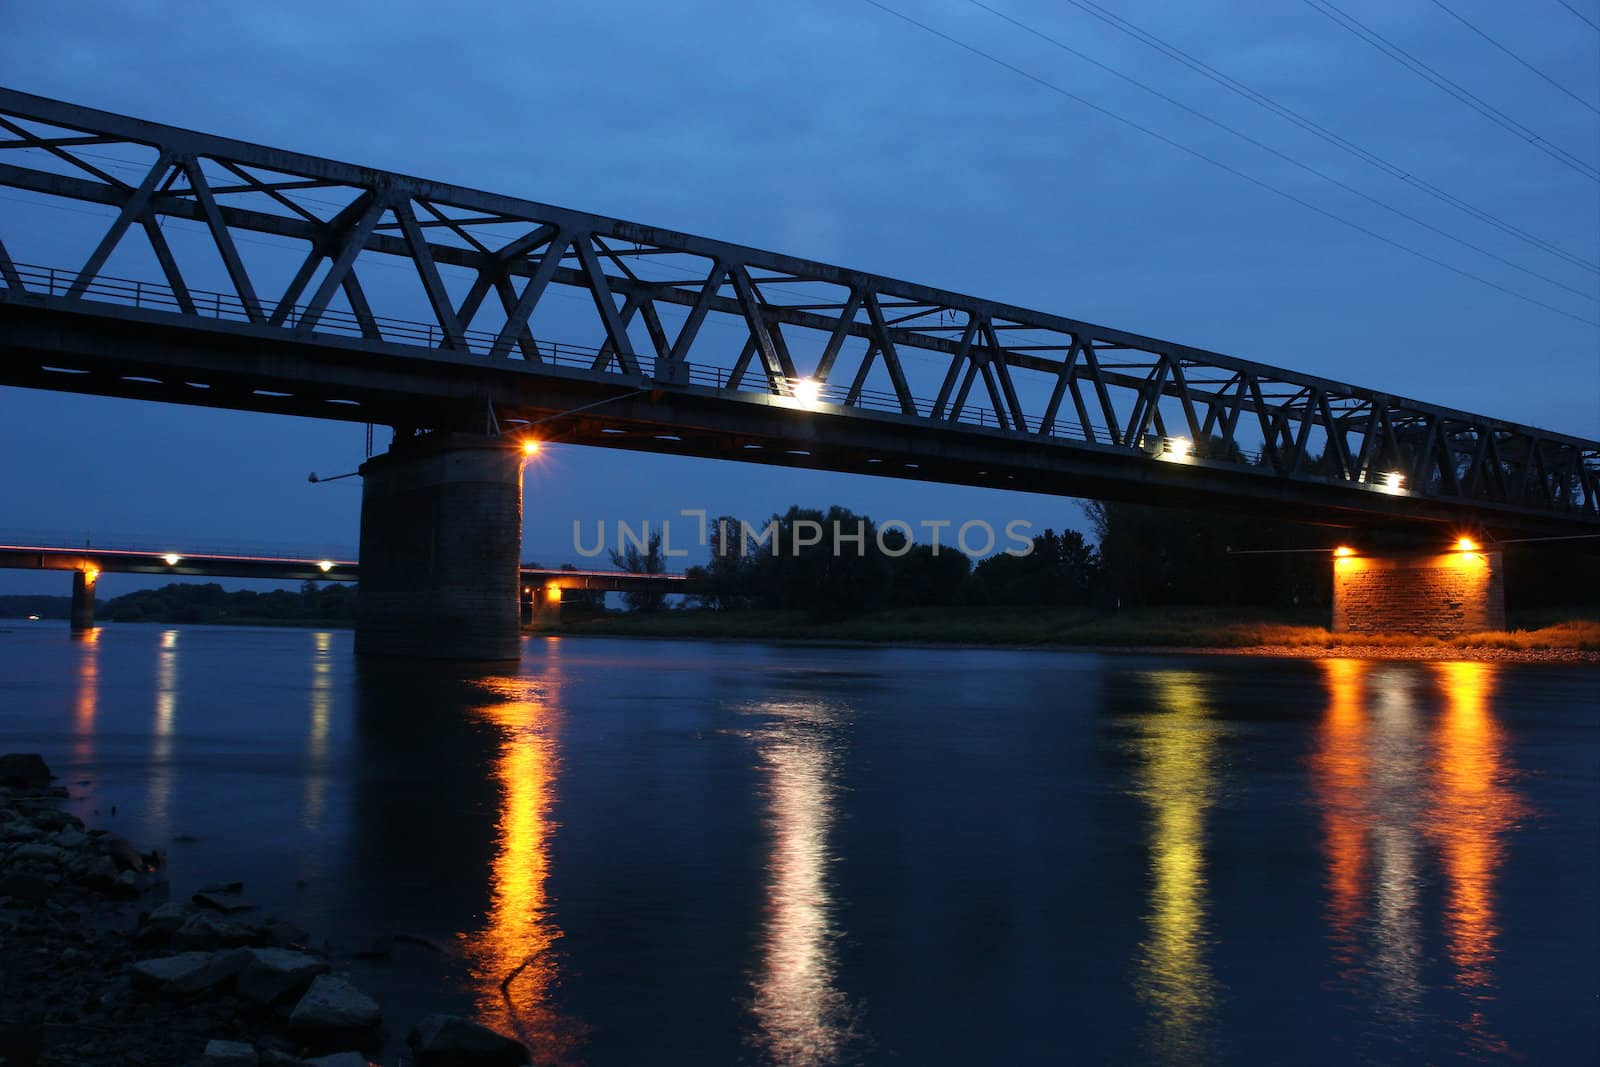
(1423,592)
(441,536)
(541,606)
(83,582)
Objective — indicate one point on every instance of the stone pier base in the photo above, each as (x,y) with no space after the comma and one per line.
(1437,594)
(441,536)
(83,582)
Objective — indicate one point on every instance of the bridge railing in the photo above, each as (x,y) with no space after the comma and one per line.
(157,296)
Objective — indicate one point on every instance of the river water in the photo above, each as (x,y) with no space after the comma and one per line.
(686,852)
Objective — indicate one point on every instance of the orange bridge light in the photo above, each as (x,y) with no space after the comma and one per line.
(1344,552)
(1466,544)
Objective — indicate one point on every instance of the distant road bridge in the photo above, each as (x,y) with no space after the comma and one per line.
(686,345)
(542,587)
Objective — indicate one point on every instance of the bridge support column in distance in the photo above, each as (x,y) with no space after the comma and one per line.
(1435,594)
(441,537)
(83,583)
(544,606)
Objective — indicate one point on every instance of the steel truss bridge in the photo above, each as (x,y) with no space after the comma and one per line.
(683,345)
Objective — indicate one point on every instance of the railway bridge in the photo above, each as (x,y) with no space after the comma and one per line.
(312,287)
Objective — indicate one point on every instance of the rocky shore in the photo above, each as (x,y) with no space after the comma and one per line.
(99,967)
(1424,653)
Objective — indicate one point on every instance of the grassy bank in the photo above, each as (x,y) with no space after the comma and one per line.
(1169,628)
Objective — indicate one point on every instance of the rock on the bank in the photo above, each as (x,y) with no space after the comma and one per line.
(339,1059)
(275,974)
(187,972)
(451,1041)
(229,1054)
(26,770)
(209,930)
(332,1005)
(165,920)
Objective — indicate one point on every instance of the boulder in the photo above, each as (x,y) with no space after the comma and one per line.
(124,855)
(30,886)
(166,919)
(333,1005)
(229,1054)
(69,838)
(98,872)
(130,883)
(20,830)
(451,1041)
(39,853)
(208,930)
(25,770)
(46,816)
(286,934)
(223,902)
(186,973)
(274,974)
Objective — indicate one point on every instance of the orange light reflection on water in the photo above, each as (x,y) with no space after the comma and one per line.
(86,699)
(1339,775)
(512,959)
(1473,807)
(1390,783)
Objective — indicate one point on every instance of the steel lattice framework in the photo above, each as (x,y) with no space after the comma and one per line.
(1025,392)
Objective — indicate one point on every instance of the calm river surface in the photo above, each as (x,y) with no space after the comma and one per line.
(717,853)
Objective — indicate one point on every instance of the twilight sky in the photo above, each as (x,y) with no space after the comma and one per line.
(833,130)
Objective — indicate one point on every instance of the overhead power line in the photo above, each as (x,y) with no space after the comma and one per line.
(1204,69)
(1444,84)
(1291,160)
(1592,23)
(1442,6)
(1197,154)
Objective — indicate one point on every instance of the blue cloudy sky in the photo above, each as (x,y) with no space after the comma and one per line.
(834,130)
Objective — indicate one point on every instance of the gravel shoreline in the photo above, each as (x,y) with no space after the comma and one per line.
(1435,653)
(99,967)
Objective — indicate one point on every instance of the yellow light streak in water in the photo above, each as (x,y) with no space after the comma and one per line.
(86,700)
(1473,807)
(1397,761)
(317,733)
(158,809)
(512,960)
(1177,778)
(802,1018)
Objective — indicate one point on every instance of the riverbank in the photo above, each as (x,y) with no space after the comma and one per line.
(1541,639)
(98,965)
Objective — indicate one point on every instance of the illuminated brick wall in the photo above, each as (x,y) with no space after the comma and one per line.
(1440,594)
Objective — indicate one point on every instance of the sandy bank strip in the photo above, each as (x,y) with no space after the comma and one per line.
(1433,653)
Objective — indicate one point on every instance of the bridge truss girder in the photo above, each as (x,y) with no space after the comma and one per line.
(796,324)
